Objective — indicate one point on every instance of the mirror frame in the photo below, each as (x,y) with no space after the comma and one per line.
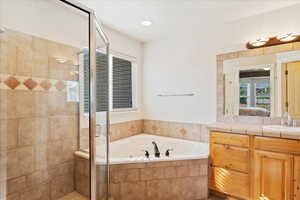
(221,117)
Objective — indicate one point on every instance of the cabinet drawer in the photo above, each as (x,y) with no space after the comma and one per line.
(230,157)
(277,145)
(228,138)
(229,182)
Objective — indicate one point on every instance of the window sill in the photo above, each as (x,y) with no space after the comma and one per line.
(124,110)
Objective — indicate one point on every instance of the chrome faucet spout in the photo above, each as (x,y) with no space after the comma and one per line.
(156,150)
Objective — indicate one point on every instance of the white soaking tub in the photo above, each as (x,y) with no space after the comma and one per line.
(186,168)
(131,150)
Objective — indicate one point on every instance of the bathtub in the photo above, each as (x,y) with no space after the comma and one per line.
(132,150)
(181,176)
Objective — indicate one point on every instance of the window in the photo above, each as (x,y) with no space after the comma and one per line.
(121,83)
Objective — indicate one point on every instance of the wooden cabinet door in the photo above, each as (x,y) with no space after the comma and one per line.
(297,177)
(272,176)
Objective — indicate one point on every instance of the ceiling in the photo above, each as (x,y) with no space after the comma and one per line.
(174,15)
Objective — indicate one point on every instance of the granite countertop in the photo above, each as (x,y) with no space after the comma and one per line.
(252,129)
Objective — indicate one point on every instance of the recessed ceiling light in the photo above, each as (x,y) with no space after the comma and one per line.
(146,23)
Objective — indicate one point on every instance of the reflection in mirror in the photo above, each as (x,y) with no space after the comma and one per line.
(291,89)
(255,96)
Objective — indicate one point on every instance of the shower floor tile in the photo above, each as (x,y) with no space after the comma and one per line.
(73,196)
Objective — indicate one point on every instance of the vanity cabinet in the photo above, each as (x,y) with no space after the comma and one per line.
(254,167)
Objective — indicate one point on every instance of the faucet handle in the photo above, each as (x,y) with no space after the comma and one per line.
(168,152)
(147,155)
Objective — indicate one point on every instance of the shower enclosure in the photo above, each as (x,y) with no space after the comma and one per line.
(53,100)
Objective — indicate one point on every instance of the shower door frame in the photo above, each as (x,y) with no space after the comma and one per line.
(94,26)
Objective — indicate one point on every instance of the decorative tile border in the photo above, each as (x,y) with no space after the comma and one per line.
(186,131)
(9,82)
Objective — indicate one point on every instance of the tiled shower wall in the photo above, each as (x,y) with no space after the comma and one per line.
(39,127)
(187,131)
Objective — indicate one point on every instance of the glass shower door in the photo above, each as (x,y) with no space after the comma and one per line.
(46,123)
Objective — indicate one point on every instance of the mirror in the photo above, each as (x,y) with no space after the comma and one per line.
(265,85)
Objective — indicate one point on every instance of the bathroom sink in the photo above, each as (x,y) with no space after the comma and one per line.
(281,128)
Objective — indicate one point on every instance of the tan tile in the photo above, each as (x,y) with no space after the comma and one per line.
(290,135)
(228,56)
(41,131)
(57,128)
(159,190)
(21,40)
(20,161)
(251,52)
(296,45)
(8,57)
(170,172)
(56,69)
(26,160)
(26,131)
(13,197)
(183,171)
(37,178)
(119,176)
(56,103)
(163,129)
(278,48)
(194,170)
(40,64)
(41,156)
(16,185)
(133,190)
(54,154)
(69,147)
(13,164)
(148,126)
(9,133)
(24,103)
(24,62)
(61,186)
(41,192)
(115,191)
(132,175)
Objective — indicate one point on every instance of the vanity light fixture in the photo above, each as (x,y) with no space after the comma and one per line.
(288,37)
(272,41)
(259,42)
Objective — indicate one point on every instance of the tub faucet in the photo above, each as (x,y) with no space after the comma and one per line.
(156,150)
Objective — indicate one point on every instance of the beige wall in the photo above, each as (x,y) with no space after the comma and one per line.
(39,127)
